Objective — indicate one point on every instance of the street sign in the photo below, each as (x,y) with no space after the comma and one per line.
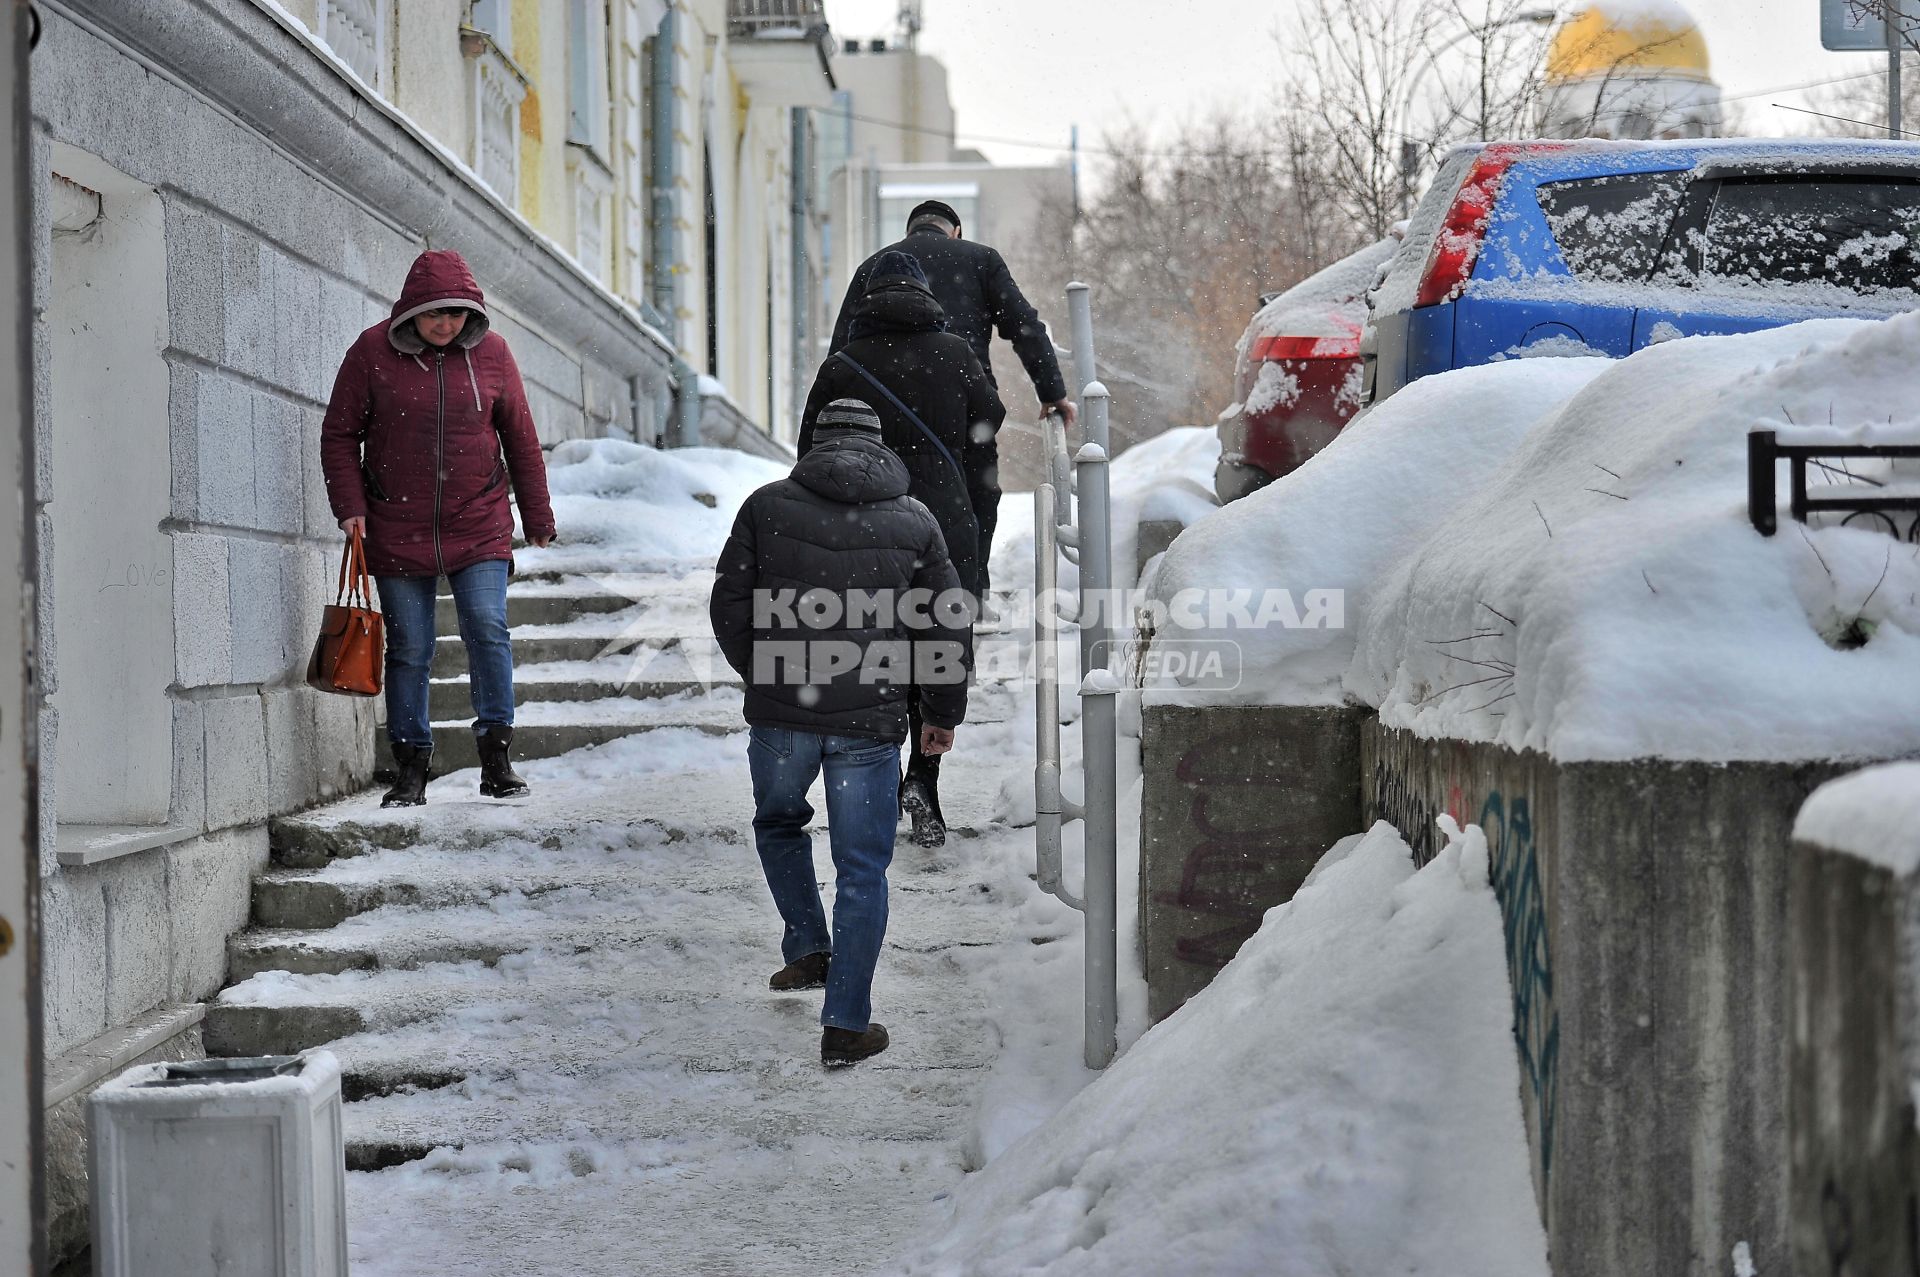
(1853,26)
(1868,26)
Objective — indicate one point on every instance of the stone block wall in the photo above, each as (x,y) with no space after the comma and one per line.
(1645,907)
(1238,804)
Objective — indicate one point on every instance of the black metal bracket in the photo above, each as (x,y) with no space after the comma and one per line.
(1764,451)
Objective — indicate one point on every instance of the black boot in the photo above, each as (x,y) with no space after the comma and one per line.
(840,1047)
(920,799)
(809,972)
(410,764)
(497,777)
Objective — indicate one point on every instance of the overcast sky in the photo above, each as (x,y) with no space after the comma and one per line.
(1027,69)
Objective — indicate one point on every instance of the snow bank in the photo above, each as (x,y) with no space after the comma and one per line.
(1353,1067)
(1604,596)
(1873,814)
(1340,521)
(1167,477)
(620,505)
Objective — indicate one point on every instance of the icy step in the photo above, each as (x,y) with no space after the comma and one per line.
(547,729)
(307,925)
(631,641)
(532,609)
(314,901)
(713,1204)
(772,1103)
(702,1001)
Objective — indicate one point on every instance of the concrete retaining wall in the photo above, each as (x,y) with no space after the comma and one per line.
(1645,906)
(1238,804)
(1854,964)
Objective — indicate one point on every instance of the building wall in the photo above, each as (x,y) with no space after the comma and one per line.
(257,211)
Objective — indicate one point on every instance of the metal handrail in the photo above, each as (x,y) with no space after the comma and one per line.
(1088,541)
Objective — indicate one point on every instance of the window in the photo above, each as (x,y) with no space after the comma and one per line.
(588,106)
(495,17)
(356,31)
(1611,228)
(1856,233)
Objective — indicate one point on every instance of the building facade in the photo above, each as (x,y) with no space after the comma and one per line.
(231,191)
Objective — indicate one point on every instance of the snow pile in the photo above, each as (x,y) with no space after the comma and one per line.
(1168,477)
(1343,1098)
(1604,596)
(1340,521)
(624,505)
(1873,814)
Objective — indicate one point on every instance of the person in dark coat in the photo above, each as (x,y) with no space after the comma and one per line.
(973,285)
(897,337)
(835,601)
(427,429)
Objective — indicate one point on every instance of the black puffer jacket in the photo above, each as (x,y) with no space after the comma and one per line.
(842,523)
(976,289)
(935,374)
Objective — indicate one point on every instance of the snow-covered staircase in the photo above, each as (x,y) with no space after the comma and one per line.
(558,1044)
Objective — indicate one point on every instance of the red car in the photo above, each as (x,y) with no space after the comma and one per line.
(1297,375)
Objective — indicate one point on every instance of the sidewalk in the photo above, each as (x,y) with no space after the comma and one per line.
(560,1049)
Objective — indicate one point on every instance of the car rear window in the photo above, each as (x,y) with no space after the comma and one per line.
(1856,233)
(1611,228)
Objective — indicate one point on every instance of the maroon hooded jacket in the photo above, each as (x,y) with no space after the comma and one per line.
(414,435)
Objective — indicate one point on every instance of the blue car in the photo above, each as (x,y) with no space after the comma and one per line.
(1594,247)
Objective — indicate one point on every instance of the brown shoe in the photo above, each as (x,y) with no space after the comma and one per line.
(841,1047)
(809,972)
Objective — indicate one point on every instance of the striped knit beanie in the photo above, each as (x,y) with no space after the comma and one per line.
(848,414)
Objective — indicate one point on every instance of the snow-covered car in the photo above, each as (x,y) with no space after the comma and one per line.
(1297,376)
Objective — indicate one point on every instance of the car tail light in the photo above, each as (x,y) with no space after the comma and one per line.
(1457,246)
(1339,338)
(1273,348)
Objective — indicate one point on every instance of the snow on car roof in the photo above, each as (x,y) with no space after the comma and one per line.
(1341,285)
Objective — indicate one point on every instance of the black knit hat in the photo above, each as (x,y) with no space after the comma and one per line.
(938,209)
(848,414)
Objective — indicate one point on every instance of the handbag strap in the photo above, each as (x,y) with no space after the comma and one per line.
(354,581)
(910,414)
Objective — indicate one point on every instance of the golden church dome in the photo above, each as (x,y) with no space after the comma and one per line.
(1641,37)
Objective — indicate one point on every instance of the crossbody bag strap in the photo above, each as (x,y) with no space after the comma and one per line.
(911,415)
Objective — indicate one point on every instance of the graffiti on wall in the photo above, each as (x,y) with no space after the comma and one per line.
(1523,907)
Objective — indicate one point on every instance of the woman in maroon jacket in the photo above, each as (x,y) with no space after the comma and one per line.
(423,409)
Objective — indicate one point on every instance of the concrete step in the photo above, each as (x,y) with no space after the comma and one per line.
(534,609)
(770,1104)
(450,655)
(316,901)
(449,699)
(549,729)
(611,1002)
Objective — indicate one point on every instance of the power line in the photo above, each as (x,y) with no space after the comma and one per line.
(1113,153)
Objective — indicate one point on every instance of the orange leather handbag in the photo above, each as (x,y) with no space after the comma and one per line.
(350,654)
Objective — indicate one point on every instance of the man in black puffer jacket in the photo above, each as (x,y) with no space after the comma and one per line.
(835,601)
(938,410)
(971,282)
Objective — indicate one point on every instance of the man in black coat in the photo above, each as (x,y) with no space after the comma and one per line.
(835,601)
(973,285)
(938,410)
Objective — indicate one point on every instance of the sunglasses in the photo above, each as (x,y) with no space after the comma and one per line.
(445,312)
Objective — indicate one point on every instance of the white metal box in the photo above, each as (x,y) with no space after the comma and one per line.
(219,1168)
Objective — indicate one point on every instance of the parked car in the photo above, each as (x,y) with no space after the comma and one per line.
(1297,376)
(1607,247)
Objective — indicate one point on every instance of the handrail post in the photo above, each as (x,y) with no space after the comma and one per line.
(1047,805)
(1099,740)
(1080,330)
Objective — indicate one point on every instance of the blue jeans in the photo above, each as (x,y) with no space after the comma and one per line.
(863,806)
(480,597)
